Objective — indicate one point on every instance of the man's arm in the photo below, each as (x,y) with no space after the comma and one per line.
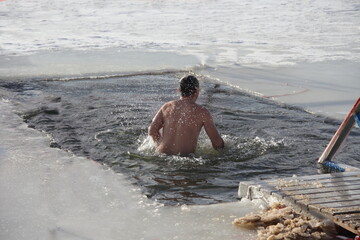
(211,131)
(155,126)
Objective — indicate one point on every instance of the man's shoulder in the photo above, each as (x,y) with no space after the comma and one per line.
(170,103)
(203,113)
(202,109)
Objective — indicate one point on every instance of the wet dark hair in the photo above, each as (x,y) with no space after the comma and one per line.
(188,85)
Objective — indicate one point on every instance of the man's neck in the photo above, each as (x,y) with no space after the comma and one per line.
(188,99)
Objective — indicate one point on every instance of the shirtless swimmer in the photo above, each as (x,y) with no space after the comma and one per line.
(182,121)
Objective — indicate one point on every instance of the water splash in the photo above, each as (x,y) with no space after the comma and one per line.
(147,145)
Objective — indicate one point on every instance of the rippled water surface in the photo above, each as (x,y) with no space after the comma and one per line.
(106,120)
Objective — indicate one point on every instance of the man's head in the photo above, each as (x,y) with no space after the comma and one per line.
(188,86)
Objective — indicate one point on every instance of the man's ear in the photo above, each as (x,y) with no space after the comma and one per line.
(197,90)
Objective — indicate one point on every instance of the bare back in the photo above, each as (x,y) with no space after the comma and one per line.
(181,122)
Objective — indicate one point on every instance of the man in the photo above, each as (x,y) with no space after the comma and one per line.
(182,121)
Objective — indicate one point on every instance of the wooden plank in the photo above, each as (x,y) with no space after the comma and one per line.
(321,185)
(346,217)
(331,199)
(335,180)
(323,190)
(332,176)
(351,220)
(332,205)
(335,211)
(325,195)
(338,179)
(341,204)
(352,223)
(317,196)
(352,226)
(314,177)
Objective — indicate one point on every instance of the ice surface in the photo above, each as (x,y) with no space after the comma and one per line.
(329,88)
(225,32)
(95,63)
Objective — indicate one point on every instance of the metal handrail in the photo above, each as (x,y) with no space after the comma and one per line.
(341,134)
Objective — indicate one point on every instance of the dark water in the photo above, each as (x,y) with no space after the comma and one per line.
(106,120)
